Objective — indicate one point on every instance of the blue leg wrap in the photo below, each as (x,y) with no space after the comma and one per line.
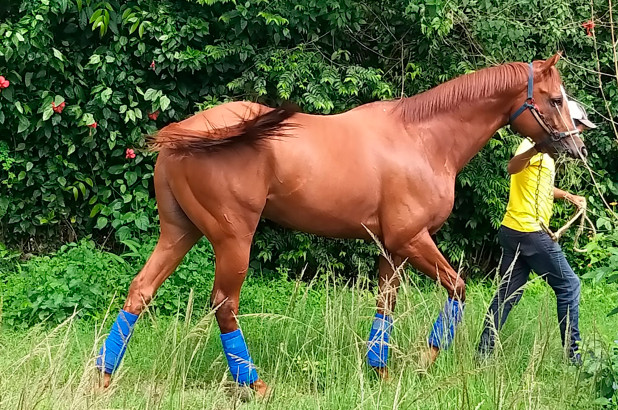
(443,330)
(377,347)
(115,345)
(238,358)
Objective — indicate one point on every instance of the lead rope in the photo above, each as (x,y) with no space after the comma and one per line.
(537,200)
(581,212)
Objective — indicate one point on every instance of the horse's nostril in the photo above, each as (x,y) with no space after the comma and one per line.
(584,152)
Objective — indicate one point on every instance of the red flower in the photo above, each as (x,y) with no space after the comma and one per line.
(93,125)
(130,154)
(58,108)
(153,115)
(4,83)
(589,26)
(152,65)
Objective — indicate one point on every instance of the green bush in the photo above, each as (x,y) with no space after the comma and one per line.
(51,288)
(601,365)
(132,67)
(83,279)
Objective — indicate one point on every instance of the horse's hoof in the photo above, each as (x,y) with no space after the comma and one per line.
(382,372)
(428,357)
(101,382)
(107,379)
(261,389)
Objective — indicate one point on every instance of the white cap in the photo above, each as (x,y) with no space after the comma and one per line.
(579,114)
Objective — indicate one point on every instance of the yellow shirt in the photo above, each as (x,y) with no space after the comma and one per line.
(521,211)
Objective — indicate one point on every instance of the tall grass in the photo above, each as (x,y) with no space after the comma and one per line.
(308,341)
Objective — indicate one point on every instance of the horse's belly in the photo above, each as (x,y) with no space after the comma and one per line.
(324,216)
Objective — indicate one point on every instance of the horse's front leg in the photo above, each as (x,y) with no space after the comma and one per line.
(379,336)
(423,254)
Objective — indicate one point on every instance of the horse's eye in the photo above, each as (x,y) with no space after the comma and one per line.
(556,102)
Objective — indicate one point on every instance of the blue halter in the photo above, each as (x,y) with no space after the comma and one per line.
(529,104)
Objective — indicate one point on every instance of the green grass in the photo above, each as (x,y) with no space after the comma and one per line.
(308,341)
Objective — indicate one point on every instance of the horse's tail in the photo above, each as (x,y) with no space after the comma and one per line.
(181,140)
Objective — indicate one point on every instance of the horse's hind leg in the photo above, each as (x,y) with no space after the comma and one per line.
(178,235)
(424,255)
(232,262)
(379,336)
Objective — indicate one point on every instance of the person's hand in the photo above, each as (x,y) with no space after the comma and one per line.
(578,201)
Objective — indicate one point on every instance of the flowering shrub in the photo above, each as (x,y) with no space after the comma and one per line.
(80,102)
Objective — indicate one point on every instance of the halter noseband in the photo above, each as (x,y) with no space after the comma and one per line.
(553,135)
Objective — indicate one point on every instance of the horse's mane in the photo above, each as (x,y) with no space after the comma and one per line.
(469,87)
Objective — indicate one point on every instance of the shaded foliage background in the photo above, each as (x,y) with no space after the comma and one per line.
(133,66)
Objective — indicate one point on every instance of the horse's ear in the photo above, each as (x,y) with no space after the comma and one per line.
(550,62)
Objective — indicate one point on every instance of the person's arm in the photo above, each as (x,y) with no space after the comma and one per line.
(519,162)
(576,200)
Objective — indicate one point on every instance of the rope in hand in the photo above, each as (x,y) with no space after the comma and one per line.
(584,218)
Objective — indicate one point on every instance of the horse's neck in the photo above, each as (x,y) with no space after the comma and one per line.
(463,131)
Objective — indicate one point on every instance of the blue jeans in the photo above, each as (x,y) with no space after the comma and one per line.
(521,253)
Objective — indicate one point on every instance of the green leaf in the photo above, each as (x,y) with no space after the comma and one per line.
(126,13)
(106,95)
(142,222)
(123,233)
(131,177)
(29,165)
(164,102)
(95,210)
(23,125)
(149,94)
(95,15)
(134,27)
(58,54)
(48,112)
(87,119)
(116,169)
(7,93)
(101,222)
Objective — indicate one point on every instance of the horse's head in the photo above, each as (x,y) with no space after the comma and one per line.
(547,120)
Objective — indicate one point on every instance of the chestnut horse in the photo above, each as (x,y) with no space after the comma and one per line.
(387,167)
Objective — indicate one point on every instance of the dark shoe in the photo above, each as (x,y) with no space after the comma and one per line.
(484,354)
(576,359)
(485,350)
